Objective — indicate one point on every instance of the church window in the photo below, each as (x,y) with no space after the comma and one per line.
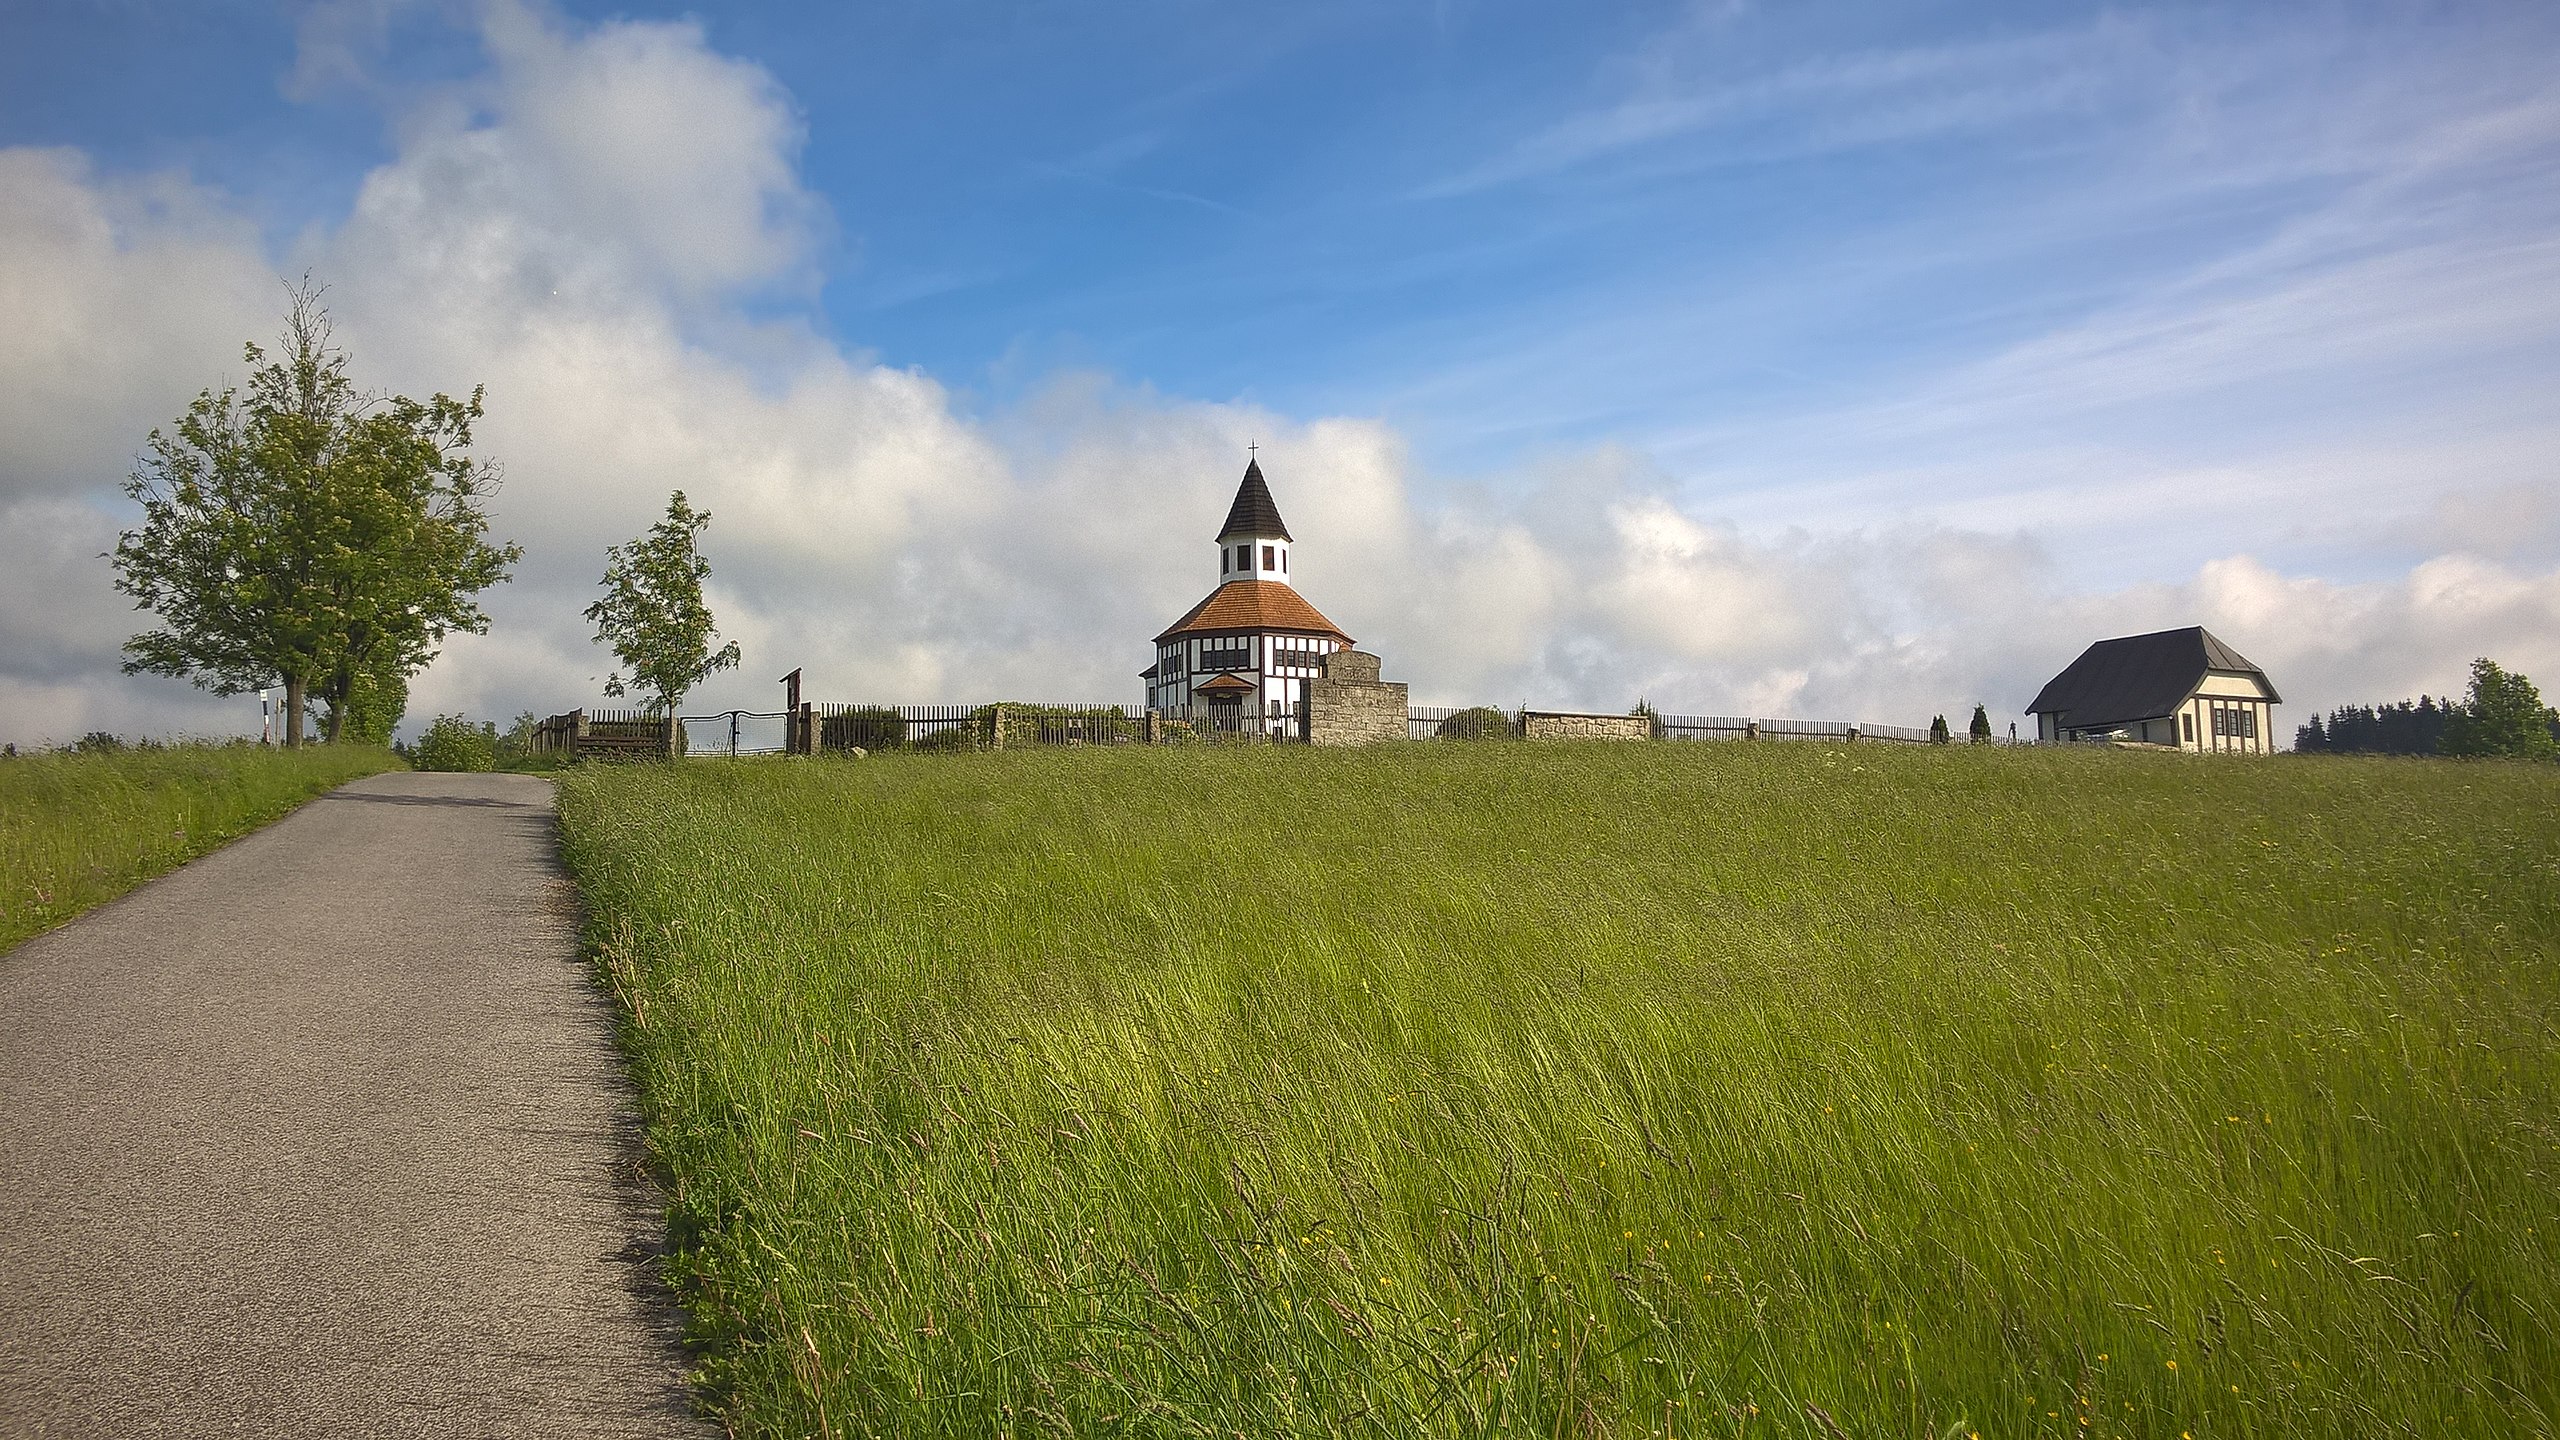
(1226,559)
(1284,562)
(1270,560)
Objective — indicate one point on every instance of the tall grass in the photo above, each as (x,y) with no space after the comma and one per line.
(79,829)
(1554,1090)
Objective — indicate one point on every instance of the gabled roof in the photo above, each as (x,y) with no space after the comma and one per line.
(1253,513)
(2139,677)
(1224,685)
(1255,605)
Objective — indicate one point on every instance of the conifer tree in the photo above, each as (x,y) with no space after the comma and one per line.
(1938,730)
(1980,730)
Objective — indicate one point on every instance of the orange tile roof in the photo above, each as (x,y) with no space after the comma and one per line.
(1224,685)
(1255,605)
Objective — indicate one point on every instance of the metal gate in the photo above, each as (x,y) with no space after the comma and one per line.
(735,732)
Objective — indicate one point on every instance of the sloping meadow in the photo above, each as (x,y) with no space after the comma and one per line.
(79,829)
(1452,1089)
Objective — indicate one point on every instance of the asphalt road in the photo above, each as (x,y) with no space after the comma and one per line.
(325,1134)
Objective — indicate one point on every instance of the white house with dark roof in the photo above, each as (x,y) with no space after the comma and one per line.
(2172,687)
(1254,643)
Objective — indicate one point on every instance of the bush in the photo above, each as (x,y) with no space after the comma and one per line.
(452,742)
(1024,724)
(866,727)
(955,737)
(1480,722)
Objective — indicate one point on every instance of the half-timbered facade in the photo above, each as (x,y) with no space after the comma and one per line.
(1254,644)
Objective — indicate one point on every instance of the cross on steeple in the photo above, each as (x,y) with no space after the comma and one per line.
(1249,449)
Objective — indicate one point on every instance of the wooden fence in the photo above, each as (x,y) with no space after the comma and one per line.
(604,735)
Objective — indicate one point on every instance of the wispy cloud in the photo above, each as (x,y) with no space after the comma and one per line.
(1812,106)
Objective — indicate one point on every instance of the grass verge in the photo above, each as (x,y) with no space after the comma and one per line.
(80,829)
(1578,1090)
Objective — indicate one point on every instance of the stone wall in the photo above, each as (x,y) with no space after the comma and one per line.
(1350,705)
(1563,725)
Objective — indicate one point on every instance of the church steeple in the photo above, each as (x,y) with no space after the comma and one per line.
(1253,514)
(1254,543)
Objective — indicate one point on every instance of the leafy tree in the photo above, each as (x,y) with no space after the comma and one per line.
(2503,715)
(653,613)
(307,534)
(1938,733)
(1979,732)
(370,709)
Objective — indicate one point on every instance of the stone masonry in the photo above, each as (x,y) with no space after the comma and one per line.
(1563,725)
(1350,705)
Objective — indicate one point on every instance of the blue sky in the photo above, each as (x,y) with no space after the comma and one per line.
(2042,321)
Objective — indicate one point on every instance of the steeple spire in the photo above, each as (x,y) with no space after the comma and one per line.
(1253,516)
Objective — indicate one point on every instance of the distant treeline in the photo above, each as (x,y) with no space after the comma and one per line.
(2504,715)
(2401,729)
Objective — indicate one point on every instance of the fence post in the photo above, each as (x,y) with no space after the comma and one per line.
(1155,727)
(577,730)
(995,727)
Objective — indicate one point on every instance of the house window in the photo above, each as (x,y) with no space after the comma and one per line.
(1226,559)
(1284,562)
(2187,723)
(1270,558)
(2249,724)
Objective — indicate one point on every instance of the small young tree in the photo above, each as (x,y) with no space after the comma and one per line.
(1652,718)
(653,614)
(2503,715)
(1979,732)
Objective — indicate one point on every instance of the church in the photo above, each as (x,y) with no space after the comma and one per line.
(1243,657)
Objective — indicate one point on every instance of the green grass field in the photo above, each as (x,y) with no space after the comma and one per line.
(80,829)
(1598,1090)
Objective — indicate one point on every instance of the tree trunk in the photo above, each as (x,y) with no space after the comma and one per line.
(292,712)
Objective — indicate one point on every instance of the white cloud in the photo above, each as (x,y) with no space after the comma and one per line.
(590,228)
